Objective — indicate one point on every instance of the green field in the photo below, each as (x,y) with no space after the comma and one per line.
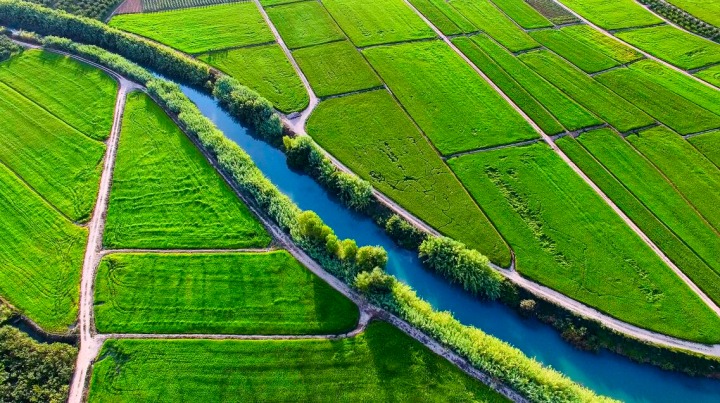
(706,10)
(266,70)
(444,16)
(579,86)
(693,175)
(381,364)
(709,145)
(365,26)
(335,68)
(566,237)
(674,45)
(235,293)
(81,95)
(166,195)
(523,13)
(203,28)
(596,40)
(306,23)
(453,105)
(711,75)
(552,11)
(371,135)
(486,17)
(614,14)
(580,53)
(41,256)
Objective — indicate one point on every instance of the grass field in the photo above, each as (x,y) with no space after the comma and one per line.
(552,11)
(709,145)
(613,14)
(708,11)
(248,293)
(596,40)
(41,255)
(711,75)
(674,45)
(381,364)
(303,24)
(203,28)
(265,69)
(659,100)
(522,13)
(444,16)
(371,135)
(453,105)
(166,195)
(587,92)
(365,26)
(486,17)
(580,53)
(81,95)
(566,237)
(335,68)
(692,174)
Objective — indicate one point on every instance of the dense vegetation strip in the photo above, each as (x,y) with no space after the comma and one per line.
(444,16)
(615,14)
(564,236)
(711,75)
(166,195)
(707,10)
(709,145)
(203,29)
(452,104)
(89,8)
(250,293)
(372,136)
(523,14)
(674,45)
(304,23)
(583,54)
(265,69)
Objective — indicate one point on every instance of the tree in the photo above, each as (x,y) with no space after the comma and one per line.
(375,281)
(369,257)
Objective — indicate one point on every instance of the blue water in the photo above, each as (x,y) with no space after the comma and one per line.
(606,373)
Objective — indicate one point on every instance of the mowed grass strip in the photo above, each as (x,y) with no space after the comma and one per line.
(381,364)
(200,29)
(336,68)
(674,248)
(600,42)
(453,105)
(523,14)
(57,161)
(586,57)
(674,45)
(600,100)
(373,22)
(709,145)
(41,256)
(81,95)
(444,16)
(487,18)
(305,23)
(696,177)
(233,293)
(565,237)
(711,75)
(615,14)
(266,70)
(371,135)
(166,195)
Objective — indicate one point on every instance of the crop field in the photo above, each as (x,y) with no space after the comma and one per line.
(709,145)
(580,53)
(166,195)
(161,5)
(552,11)
(674,45)
(437,87)
(365,26)
(693,175)
(371,135)
(486,17)
(203,29)
(522,13)
(566,237)
(598,99)
(303,24)
(80,95)
(711,75)
(41,255)
(708,11)
(266,70)
(336,68)
(380,364)
(234,293)
(444,16)
(614,14)
(598,42)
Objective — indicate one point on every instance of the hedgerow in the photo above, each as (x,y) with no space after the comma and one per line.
(88,8)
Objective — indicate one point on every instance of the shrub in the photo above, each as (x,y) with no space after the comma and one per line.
(369,257)
(7,48)
(375,281)
(248,107)
(405,234)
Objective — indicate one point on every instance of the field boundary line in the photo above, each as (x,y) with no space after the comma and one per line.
(106,252)
(356,92)
(493,148)
(231,48)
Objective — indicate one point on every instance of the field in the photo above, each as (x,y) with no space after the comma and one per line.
(711,75)
(693,175)
(598,99)
(335,68)
(306,23)
(365,26)
(166,195)
(674,45)
(437,87)
(160,5)
(380,364)
(203,29)
(249,293)
(522,13)
(709,145)
(80,95)
(580,53)
(599,42)
(41,255)
(566,237)
(444,16)
(615,14)
(707,11)
(371,135)
(266,70)
(488,18)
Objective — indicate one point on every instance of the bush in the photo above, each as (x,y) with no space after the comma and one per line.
(405,234)
(375,281)
(250,108)
(7,48)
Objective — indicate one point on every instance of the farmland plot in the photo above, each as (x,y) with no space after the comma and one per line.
(161,5)
(600,42)
(587,57)
(166,195)
(444,16)
(709,145)
(711,75)
(674,45)
(302,24)
(708,11)
(552,11)
(614,14)
(522,13)
(234,293)
(371,135)
(486,17)
(566,237)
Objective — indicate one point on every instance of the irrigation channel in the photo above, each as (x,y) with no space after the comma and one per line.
(606,373)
